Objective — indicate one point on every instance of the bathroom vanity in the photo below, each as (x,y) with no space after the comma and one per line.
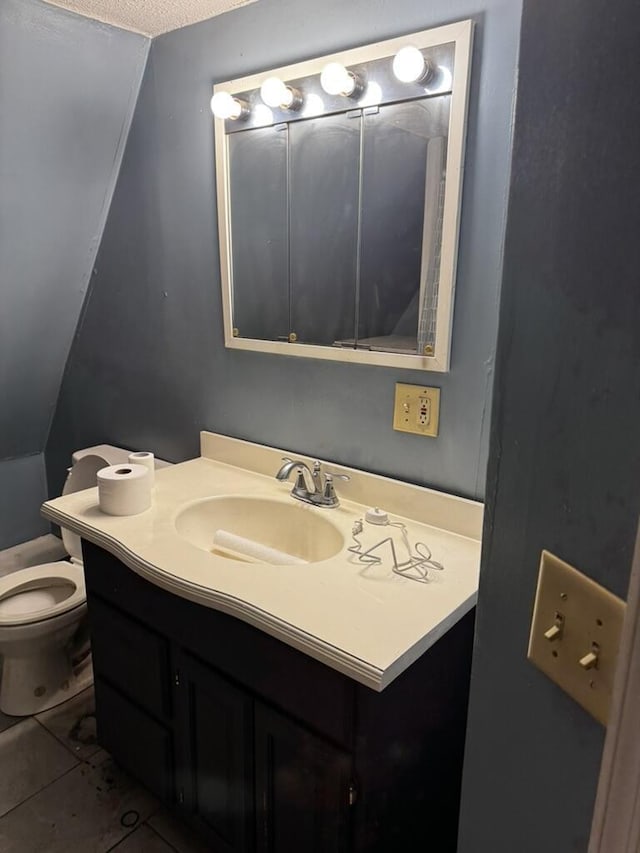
(316,707)
(259,746)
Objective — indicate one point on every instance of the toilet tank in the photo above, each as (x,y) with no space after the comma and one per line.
(82,475)
(111,455)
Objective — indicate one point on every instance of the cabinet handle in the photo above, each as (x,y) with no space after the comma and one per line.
(353,794)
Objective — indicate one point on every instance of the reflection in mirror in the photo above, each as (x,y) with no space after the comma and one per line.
(339,202)
(324,174)
(403,172)
(259,217)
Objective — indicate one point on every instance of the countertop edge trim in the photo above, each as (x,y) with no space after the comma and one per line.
(353,667)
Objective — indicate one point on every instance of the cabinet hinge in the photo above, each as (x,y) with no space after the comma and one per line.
(176,678)
(353,794)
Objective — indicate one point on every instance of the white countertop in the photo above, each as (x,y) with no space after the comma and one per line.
(366,622)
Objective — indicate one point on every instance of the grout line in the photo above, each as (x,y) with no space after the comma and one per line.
(136,828)
(66,745)
(15,722)
(159,834)
(39,791)
(79,761)
(123,839)
(58,740)
(78,764)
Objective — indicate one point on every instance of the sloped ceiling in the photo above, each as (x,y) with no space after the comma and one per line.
(150,17)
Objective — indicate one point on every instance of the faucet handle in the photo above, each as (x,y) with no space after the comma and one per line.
(333,475)
(329,493)
(301,483)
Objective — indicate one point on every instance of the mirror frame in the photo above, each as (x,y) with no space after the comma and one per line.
(461,35)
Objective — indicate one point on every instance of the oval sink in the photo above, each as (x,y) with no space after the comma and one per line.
(293,528)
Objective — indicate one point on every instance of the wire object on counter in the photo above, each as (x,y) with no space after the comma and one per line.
(415,568)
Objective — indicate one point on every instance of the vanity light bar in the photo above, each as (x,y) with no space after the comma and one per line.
(409,65)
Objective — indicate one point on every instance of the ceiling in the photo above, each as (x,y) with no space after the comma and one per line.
(150,17)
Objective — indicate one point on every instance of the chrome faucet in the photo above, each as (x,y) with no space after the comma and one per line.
(313,487)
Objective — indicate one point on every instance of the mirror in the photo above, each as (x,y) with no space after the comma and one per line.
(339,185)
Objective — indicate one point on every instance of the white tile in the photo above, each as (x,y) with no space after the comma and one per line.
(74,724)
(88,810)
(143,840)
(180,836)
(30,758)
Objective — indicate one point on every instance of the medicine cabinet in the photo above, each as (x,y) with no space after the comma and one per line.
(339,182)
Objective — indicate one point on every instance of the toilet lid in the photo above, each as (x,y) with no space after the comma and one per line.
(40,592)
(83,475)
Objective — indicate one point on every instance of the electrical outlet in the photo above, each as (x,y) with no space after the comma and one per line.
(575,634)
(424,411)
(417,409)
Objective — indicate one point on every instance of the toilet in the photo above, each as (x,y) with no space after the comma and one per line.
(44,637)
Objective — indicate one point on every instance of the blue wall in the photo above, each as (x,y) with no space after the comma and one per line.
(564,471)
(149,367)
(68,91)
(23,487)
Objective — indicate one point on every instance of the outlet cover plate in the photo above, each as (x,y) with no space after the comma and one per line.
(589,619)
(416,409)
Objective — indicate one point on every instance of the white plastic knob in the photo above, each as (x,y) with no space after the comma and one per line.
(377,516)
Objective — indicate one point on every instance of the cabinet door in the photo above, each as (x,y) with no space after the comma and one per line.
(214,760)
(137,741)
(132,657)
(302,788)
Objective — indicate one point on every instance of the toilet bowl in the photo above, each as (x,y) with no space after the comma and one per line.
(44,637)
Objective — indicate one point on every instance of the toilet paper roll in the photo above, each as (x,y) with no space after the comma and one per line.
(144,457)
(254,552)
(124,489)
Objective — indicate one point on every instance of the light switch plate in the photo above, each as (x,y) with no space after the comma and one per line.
(416,409)
(575,634)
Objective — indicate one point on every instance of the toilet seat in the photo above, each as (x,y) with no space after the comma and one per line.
(60,586)
(34,595)
(44,642)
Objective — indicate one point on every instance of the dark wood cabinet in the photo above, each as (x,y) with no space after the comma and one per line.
(303,788)
(263,749)
(214,732)
(142,746)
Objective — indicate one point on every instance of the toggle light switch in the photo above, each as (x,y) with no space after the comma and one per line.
(553,633)
(589,661)
(575,634)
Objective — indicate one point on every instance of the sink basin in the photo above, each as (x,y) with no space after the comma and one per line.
(291,527)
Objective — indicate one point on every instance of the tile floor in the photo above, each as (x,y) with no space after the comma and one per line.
(61,793)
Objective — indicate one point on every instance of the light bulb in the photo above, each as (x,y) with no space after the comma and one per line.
(275,93)
(409,65)
(336,80)
(224,106)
